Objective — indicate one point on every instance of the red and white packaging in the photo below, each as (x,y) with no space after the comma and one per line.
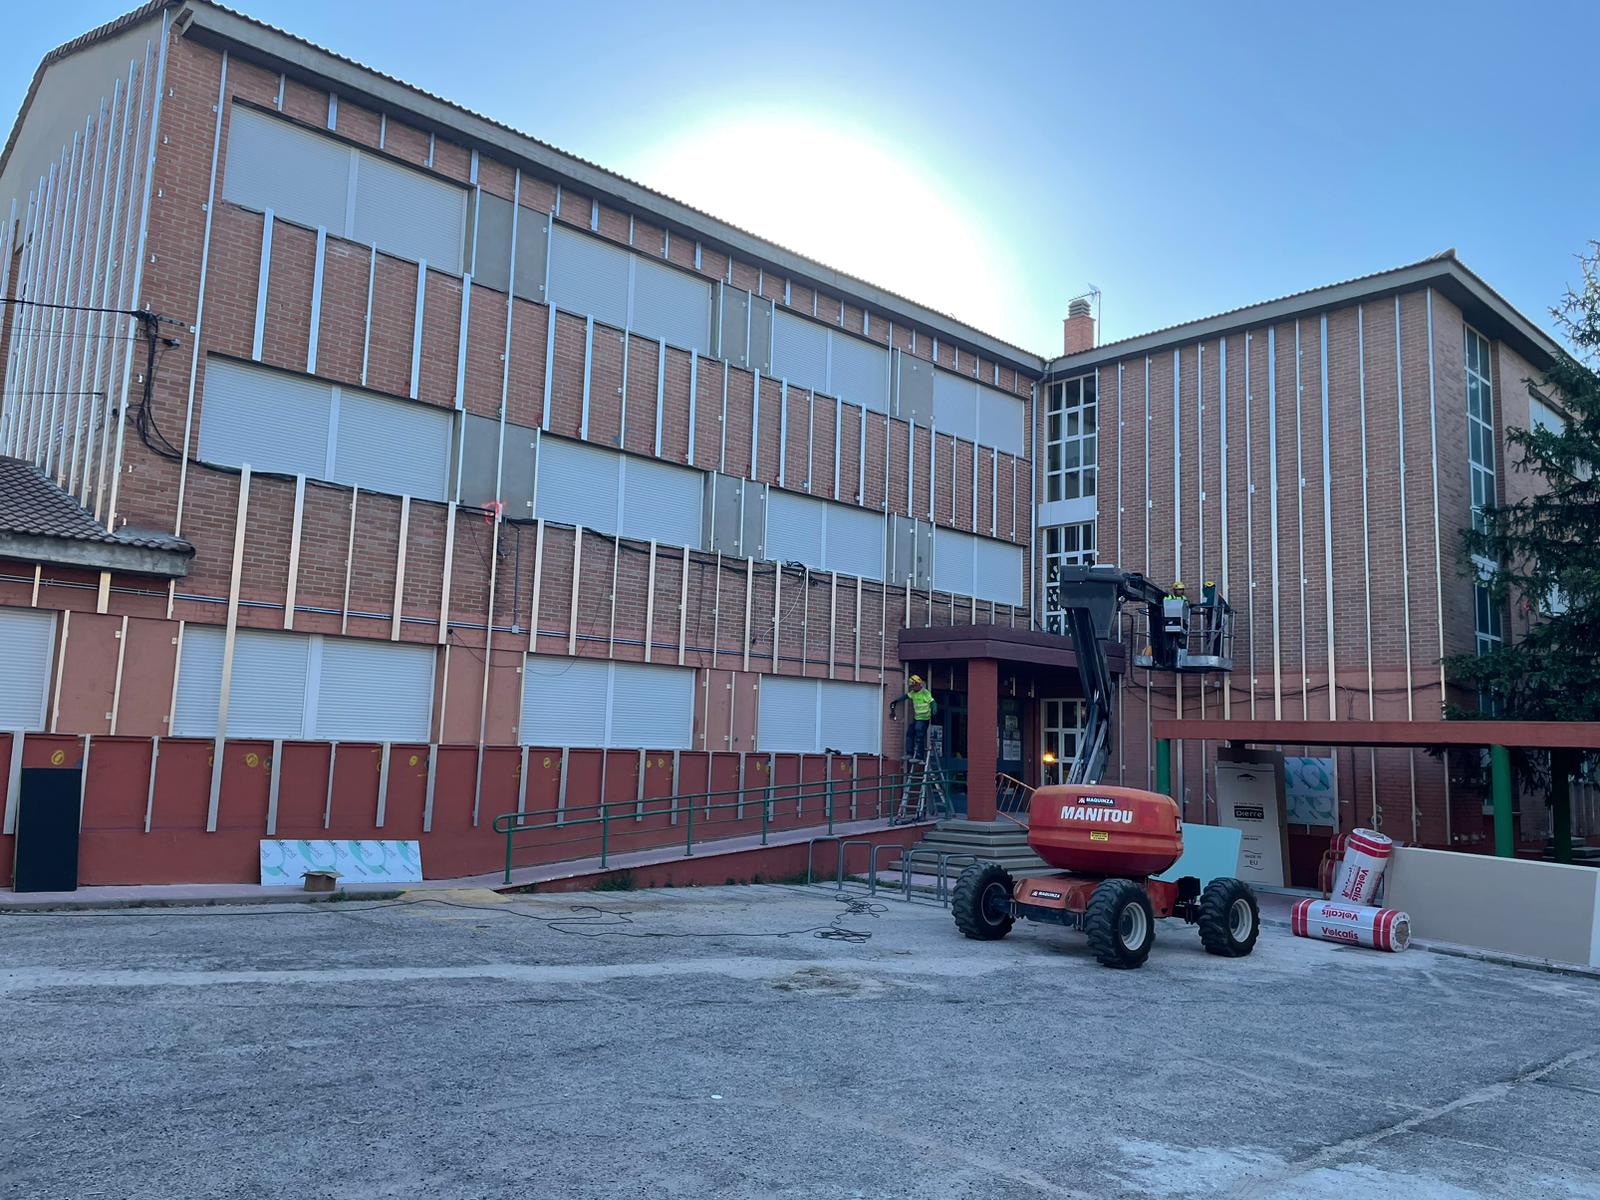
(1357,925)
(1366,854)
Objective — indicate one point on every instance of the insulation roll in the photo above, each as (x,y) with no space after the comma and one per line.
(1357,925)
(1366,854)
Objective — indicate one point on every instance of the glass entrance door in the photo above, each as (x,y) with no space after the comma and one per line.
(1061,727)
(952,719)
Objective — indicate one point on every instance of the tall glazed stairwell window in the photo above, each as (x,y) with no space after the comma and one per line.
(1487,629)
(1071,440)
(1064,546)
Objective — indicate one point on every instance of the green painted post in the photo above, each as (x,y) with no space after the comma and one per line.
(1164,766)
(766,810)
(688,847)
(830,801)
(605,832)
(508,852)
(1500,774)
(1561,804)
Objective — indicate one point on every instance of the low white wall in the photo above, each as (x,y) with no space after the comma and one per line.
(1542,910)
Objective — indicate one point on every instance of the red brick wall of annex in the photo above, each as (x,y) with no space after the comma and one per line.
(1385,575)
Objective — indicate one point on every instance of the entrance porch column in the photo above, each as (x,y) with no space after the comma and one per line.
(983,737)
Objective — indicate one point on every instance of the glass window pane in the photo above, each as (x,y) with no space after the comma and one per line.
(1088,482)
(1069,487)
(1088,389)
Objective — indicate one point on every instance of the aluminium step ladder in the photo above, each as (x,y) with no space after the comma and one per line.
(926,794)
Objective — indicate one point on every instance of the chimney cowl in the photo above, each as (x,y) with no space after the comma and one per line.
(1078,307)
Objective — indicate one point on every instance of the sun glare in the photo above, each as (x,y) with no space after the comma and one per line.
(848,202)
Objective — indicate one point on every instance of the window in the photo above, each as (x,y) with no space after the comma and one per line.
(830,361)
(617,493)
(320,182)
(1480,462)
(1061,726)
(594,703)
(824,535)
(964,408)
(977,566)
(1480,426)
(813,716)
(1070,441)
(1064,546)
(27,643)
(299,686)
(297,425)
(595,278)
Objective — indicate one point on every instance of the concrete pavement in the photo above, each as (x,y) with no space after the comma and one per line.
(705,1042)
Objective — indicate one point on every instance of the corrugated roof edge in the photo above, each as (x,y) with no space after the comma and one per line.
(1534,342)
(215,19)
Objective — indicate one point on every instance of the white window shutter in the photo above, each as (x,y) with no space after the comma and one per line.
(27,643)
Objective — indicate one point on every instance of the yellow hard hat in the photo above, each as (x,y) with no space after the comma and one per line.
(916,679)
(1177,585)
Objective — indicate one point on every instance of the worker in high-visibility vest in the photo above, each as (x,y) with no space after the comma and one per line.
(923,706)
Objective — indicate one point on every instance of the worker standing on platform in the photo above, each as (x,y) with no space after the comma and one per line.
(923,706)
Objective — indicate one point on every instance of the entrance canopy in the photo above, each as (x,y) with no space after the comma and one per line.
(1003,643)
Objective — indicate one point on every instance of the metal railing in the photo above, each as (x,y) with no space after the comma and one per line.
(1012,798)
(703,816)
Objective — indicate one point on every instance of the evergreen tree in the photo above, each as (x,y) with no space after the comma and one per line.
(1540,556)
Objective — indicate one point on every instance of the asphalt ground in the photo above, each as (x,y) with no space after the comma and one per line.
(707,1043)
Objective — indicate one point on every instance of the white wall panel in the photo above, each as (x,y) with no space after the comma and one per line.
(396,446)
(271,420)
(373,691)
(589,277)
(273,163)
(27,640)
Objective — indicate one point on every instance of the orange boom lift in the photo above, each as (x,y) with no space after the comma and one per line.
(1107,842)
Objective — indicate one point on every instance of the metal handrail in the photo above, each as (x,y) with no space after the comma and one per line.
(828,791)
(1013,798)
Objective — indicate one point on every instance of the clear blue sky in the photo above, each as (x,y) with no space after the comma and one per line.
(994,159)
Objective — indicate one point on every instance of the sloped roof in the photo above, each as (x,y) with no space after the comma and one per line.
(37,518)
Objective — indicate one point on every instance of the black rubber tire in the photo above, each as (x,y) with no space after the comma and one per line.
(1217,930)
(1103,922)
(973,916)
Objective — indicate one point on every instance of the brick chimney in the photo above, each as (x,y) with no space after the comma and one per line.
(1078,328)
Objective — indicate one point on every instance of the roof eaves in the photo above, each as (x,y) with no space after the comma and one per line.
(1443,268)
(208,20)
